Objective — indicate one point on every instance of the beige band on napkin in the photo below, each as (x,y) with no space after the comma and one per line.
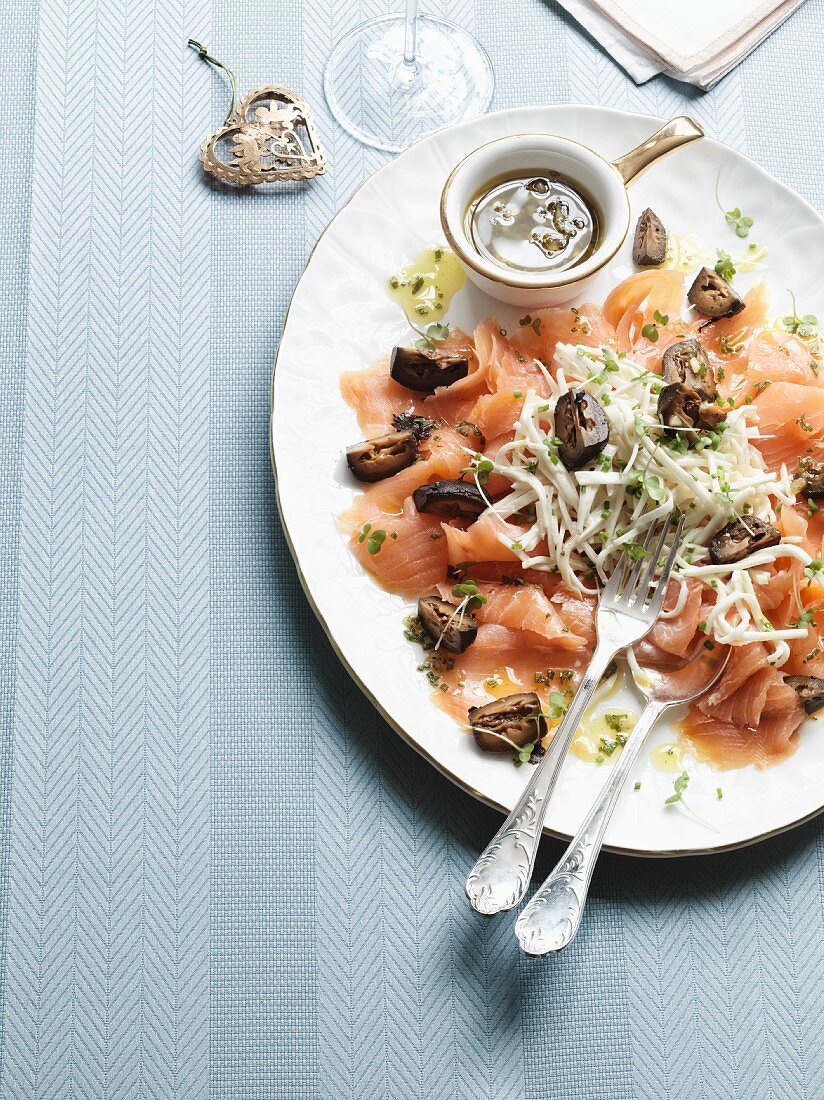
(698,35)
(698,43)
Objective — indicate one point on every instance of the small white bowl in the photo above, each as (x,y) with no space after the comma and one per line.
(605,181)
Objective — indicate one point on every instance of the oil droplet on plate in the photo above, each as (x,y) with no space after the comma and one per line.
(667,757)
(600,738)
(425,288)
(502,683)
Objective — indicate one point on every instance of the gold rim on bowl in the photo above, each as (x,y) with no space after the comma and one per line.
(498,275)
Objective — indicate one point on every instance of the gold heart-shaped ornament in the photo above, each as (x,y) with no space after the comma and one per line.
(271,138)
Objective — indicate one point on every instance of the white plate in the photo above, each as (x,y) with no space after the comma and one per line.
(340,318)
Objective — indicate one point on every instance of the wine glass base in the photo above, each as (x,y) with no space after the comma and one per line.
(389,105)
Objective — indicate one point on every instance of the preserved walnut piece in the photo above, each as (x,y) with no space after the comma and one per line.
(682,407)
(741,538)
(649,248)
(581,427)
(713,296)
(515,718)
(375,459)
(812,474)
(451,499)
(687,362)
(810,691)
(451,631)
(423,371)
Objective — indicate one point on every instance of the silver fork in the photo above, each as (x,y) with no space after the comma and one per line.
(553,916)
(629,606)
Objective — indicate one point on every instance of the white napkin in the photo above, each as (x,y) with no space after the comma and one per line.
(698,41)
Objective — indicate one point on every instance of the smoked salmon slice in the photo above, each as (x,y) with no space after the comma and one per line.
(539,333)
(508,368)
(488,539)
(790,422)
(750,716)
(411,558)
(502,661)
(675,635)
(634,303)
(376,397)
(494,413)
(527,608)
(739,329)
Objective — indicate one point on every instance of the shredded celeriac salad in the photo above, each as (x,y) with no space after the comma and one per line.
(580,522)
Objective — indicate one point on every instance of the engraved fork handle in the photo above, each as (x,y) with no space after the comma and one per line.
(553,916)
(501,875)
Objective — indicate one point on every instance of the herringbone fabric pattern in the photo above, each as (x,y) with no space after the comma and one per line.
(264,1038)
(18,35)
(107,936)
(220,874)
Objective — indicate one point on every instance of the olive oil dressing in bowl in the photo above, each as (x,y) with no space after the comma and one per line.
(533,221)
(532,217)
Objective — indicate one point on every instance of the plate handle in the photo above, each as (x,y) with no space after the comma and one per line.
(677,132)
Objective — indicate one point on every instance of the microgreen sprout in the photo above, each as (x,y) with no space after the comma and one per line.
(556,704)
(374,539)
(738,221)
(524,754)
(677,798)
(650,331)
(725,267)
(634,550)
(433,335)
(806,618)
(468,591)
(680,785)
(812,570)
(804,326)
(480,467)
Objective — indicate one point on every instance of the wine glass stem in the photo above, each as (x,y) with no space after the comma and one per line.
(410,38)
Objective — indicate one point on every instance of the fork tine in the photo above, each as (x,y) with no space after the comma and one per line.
(614,582)
(632,581)
(645,583)
(658,596)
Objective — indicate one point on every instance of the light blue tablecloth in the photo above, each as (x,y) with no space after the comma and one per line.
(222,875)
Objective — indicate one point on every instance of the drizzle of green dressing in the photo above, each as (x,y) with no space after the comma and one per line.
(425,288)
